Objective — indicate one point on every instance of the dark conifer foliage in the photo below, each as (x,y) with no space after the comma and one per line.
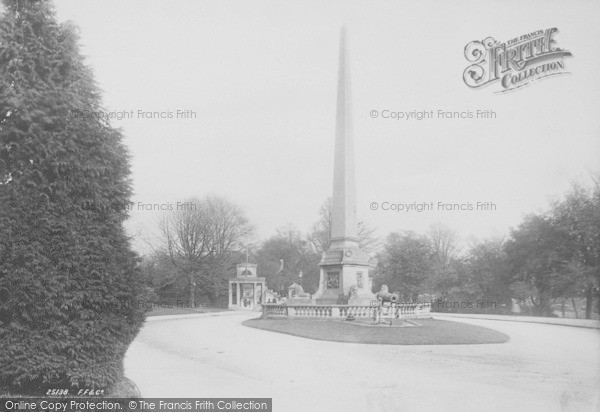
(68,277)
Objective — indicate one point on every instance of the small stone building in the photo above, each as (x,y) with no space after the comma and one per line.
(246,290)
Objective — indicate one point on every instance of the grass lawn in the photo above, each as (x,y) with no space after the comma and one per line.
(432,332)
(181,311)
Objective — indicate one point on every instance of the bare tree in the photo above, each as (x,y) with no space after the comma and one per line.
(320,236)
(200,239)
(444,244)
(230,229)
(444,252)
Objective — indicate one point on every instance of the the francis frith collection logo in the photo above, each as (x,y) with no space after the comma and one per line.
(516,62)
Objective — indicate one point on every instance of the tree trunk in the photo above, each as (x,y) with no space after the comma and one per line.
(562,307)
(212,298)
(589,297)
(575,308)
(192,286)
(544,308)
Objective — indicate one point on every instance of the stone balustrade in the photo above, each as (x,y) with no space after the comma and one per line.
(401,311)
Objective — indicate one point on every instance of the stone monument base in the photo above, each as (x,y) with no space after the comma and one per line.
(331,300)
(363,300)
(304,300)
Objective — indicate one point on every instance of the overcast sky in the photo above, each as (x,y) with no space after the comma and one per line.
(261,78)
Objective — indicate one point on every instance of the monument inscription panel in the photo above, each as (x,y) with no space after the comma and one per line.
(333,280)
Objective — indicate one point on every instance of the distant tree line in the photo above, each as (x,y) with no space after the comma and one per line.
(550,259)
(197,249)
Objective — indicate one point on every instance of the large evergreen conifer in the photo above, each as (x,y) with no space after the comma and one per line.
(68,278)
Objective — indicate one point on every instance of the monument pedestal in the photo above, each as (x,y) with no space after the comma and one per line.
(344,277)
(300,301)
(329,300)
(364,300)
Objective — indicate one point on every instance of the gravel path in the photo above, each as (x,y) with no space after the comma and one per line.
(541,368)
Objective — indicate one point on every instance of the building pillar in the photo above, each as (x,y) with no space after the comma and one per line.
(239,298)
(230,295)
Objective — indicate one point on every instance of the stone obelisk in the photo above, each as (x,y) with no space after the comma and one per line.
(344,276)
